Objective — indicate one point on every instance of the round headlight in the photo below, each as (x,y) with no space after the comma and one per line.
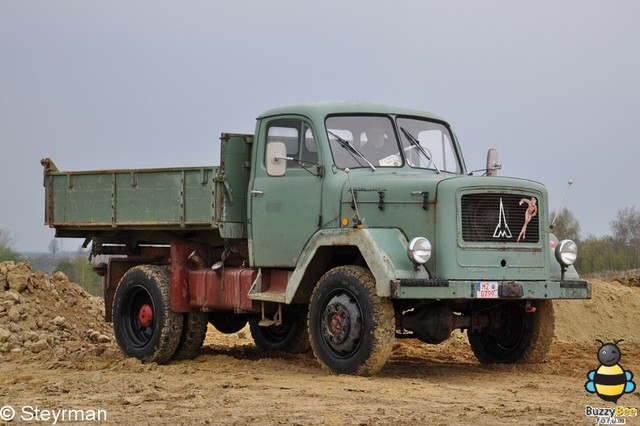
(566,252)
(419,250)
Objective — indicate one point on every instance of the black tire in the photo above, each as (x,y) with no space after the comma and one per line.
(291,336)
(352,329)
(143,323)
(194,330)
(523,337)
(227,323)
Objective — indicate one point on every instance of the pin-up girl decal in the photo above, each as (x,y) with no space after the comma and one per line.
(532,210)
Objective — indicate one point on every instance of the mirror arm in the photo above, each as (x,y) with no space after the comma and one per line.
(493,164)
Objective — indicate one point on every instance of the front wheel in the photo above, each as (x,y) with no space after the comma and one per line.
(143,323)
(352,329)
(517,336)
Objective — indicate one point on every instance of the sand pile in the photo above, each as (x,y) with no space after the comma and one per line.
(612,313)
(49,315)
(629,278)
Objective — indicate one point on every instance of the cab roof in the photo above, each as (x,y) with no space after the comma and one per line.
(320,110)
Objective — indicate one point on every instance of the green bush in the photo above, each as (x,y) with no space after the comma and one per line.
(7,253)
(6,247)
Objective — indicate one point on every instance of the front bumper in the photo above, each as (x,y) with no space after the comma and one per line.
(505,290)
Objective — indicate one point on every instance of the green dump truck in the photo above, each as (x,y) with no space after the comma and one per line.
(336,227)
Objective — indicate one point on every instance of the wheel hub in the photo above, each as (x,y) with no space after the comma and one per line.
(145,315)
(342,323)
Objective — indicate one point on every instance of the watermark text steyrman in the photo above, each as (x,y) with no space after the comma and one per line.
(35,413)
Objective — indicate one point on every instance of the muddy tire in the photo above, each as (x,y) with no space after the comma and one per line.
(227,323)
(194,330)
(143,323)
(291,336)
(352,329)
(523,338)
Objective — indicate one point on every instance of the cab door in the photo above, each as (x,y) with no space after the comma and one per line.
(285,211)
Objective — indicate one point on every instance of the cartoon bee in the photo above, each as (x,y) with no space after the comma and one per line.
(610,381)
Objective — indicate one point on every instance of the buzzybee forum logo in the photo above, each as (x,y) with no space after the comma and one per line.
(610,380)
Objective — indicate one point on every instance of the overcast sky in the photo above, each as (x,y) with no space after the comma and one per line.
(553,85)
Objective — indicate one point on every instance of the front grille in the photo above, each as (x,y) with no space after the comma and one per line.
(498,218)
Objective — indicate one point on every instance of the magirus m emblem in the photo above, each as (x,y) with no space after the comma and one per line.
(502,230)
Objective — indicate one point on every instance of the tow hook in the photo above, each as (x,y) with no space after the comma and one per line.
(530,309)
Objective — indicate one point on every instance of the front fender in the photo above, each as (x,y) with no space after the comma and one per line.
(384,251)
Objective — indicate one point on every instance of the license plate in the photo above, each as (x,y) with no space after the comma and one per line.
(487,290)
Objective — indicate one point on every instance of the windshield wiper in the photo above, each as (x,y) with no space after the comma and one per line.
(350,148)
(414,142)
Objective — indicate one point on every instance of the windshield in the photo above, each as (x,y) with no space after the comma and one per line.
(372,140)
(436,149)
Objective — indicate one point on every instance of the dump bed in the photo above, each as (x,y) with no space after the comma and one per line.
(174,198)
(154,205)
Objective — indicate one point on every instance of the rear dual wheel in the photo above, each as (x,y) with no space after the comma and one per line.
(194,331)
(144,324)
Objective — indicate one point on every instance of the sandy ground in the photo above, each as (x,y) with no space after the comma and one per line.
(232,382)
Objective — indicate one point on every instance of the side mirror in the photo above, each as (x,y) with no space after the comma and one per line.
(493,165)
(276,159)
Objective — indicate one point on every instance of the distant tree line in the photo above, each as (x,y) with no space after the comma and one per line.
(619,251)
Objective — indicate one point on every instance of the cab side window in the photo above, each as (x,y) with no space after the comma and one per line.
(298,137)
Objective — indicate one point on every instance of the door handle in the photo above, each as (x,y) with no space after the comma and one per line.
(255,193)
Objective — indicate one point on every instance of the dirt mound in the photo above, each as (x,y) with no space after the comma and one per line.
(42,314)
(629,278)
(611,314)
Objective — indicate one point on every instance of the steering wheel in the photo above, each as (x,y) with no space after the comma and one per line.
(414,147)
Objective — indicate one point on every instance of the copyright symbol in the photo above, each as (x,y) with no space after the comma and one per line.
(7,413)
